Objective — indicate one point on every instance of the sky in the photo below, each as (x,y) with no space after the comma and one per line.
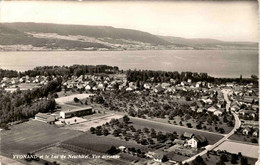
(228,21)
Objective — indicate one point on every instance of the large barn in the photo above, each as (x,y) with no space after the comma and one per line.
(76,112)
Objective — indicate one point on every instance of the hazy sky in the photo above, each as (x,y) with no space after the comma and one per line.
(231,21)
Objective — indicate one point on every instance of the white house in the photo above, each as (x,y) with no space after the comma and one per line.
(217,113)
(193,142)
(211,109)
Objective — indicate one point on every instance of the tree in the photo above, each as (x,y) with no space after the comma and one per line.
(189,125)
(126,119)
(234,158)
(223,157)
(76,100)
(244,161)
(100,100)
(220,163)
(112,151)
(92,130)
(116,133)
(143,141)
(198,161)
(254,140)
(105,132)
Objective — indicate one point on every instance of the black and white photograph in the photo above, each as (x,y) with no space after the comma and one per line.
(125,82)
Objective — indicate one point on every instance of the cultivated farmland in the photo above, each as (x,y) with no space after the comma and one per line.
(100,143)
(32,135)
(235,147)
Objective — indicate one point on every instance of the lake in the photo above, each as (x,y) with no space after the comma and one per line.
(218,63)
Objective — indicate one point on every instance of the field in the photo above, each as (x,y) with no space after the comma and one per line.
(70,98)
(6,161)
(60,152)
(32,135)
(242,138)
(247,150)
(140,123)
(100,144)
(177,119)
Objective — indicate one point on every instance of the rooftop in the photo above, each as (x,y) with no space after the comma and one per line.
(78,109)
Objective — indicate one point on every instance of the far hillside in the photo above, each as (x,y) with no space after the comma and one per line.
(45,36)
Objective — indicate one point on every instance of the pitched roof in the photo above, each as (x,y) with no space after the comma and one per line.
(178,141)
(200,138)
(42,115)
(187,134)
(159,155)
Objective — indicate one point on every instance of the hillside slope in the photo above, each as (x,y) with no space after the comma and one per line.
(201,43)
(43,36)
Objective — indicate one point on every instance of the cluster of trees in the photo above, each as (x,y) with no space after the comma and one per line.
(226,157)
(64,71)
(141,76)
(8,73)
(21,105)
(75,70)
(163,76)
(122,128)
(143,105)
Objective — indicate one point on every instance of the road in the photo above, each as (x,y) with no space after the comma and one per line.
(226,136)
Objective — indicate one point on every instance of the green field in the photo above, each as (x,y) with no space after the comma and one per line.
(32,135)
(140,123)
(242,138)
(100,143)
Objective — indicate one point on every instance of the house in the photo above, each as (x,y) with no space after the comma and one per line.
(165,85)
(160,157)
(100,87)
(207,101)
(218,112)
(76,112)
(212,109)
(199,110)
(197,141)
(248,99)
(129,89)
(193,108)
(87,88)
(255,133)
(234,107)
(246,131)
(122,148)
(229,84)
(45,118)
(146,86)
(159,88)
(150,154)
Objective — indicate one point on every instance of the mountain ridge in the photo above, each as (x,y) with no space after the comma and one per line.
(48,36)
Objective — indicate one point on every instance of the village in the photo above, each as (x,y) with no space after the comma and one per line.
(167,122)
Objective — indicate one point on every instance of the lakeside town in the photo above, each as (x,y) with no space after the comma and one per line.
(101,114)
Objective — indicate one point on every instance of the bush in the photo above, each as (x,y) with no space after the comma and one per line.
(254,140)
(224,158)
(112,151)
(76,100)
(189,125)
